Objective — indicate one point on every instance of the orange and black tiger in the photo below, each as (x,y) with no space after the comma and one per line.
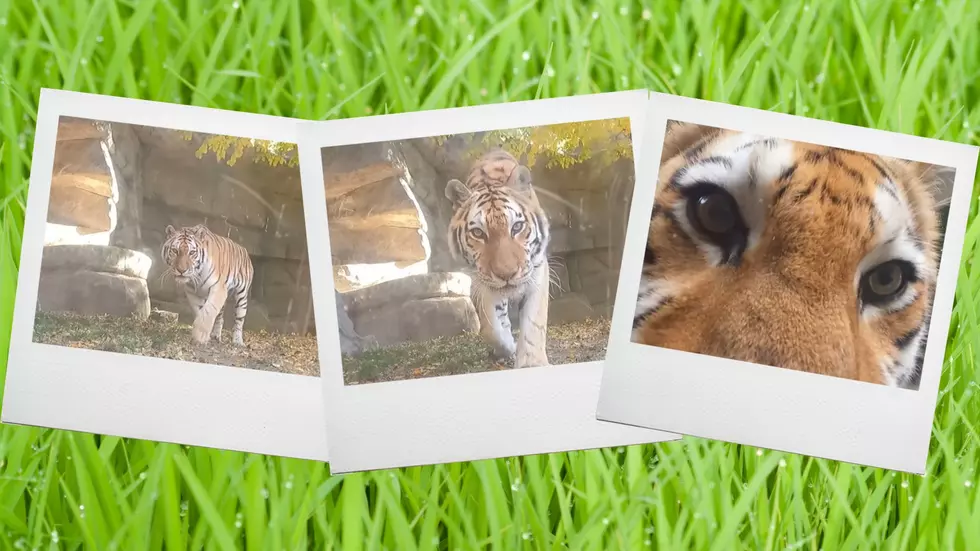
(212,269)
(500,231)
(790,254)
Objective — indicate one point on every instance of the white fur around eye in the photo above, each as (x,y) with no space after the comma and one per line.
(894,241)
(747,167)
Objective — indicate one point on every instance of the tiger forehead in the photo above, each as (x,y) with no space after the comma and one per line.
(492,168)
(491,205)
(839,176)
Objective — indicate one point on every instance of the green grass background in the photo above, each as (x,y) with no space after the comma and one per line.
(903,66)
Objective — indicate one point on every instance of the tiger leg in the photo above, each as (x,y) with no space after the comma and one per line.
(219,323)
(240,294)
(206,316)
(532,341)
(494,323)
(195,300)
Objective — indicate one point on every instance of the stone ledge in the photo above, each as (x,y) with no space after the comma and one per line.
(96,258)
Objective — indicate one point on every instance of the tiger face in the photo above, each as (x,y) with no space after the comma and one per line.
(790,254)
(498,227)
(183,252)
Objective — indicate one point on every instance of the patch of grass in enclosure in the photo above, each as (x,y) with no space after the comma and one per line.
(268,351)
(583,341)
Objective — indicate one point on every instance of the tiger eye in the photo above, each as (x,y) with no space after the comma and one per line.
(886,280)
(716,213)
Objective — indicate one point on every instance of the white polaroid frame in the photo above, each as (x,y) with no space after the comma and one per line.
(772,407)
(459,417)
(140,397)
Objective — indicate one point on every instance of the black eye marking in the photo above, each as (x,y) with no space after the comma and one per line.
(714,214)
(886,282)
(518,227)
(477,233)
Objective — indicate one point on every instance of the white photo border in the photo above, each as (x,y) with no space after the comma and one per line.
(461,417)
(771,407)
(133,396)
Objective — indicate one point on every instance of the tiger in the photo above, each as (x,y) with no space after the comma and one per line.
(211,269)
(500,231)
(790,254)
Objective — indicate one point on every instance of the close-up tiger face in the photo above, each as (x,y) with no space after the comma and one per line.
(498,228)
(183,252)
(790,254)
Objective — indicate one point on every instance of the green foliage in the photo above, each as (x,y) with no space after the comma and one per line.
(902,66)
(264,151)
(560,145)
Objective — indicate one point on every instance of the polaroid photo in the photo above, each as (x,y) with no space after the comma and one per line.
(787,283)
(164,289)
(474,254)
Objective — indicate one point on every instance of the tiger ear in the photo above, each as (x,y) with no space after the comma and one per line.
(198,230)
(170,230)
(457,192)
(520,179)
(682,135)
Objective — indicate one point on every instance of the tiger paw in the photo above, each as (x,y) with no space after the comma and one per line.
(200,336)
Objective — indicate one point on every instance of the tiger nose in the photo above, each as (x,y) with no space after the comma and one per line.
(507,273)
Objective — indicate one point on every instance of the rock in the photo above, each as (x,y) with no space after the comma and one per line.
(96,258)
(71,128)
(413,287)
(418,320)
(570,307)
(72,206)
(164,316)
(82,164)
(350,341)
(58,234)
(93,293)
(185,313)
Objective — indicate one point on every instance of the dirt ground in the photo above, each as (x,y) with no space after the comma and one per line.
(283,353)
(468,353)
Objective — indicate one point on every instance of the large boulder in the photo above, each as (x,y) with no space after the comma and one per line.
(96,258)
(94,280)
(414,308)
(413,287)
(418,320)
(93,293)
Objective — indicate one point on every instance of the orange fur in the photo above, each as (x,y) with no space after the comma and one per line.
(791,299)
